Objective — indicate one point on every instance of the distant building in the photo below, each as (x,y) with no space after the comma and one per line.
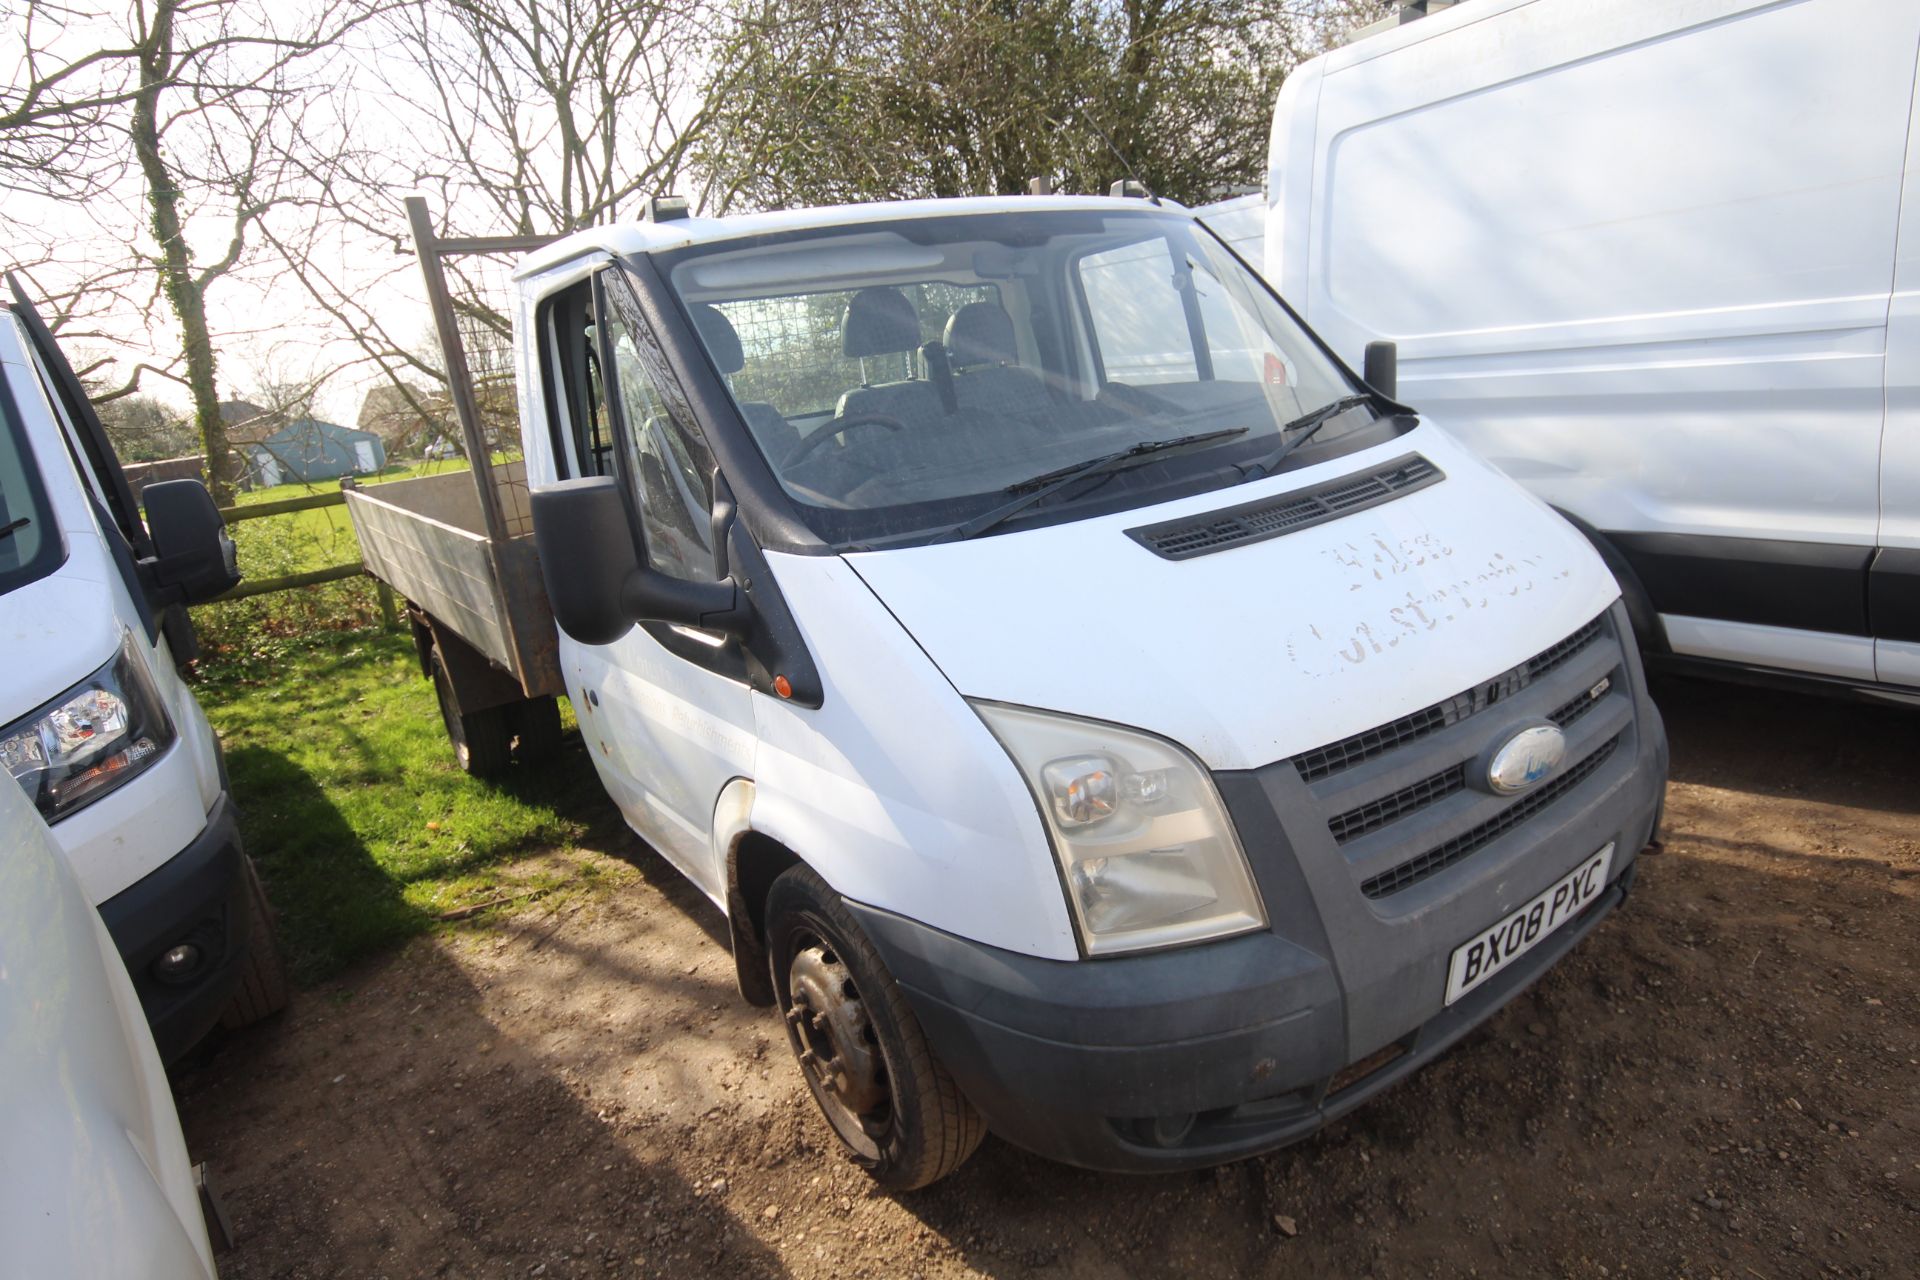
(309,450)
(407,420)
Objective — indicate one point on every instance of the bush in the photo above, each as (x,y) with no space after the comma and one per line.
(258,632)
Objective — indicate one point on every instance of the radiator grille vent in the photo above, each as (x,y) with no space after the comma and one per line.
(1287,513)
(1438,859)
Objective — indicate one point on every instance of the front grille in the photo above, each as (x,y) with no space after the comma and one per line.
(1288,513)
(1557,655)
(1578,705)
(1390,808)
(1435,860)
(1326,761)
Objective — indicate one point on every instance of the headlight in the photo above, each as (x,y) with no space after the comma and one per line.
(97,735)
(1147,851)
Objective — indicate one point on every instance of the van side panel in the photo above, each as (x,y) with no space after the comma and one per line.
(1893,587)
(1639,256)
(893,790)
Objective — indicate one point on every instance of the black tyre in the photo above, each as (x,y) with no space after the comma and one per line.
(893,1106)
(482,740)
(536,728)
(263,984)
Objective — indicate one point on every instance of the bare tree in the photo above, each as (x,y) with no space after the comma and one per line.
(57,104)
(193,120)
(520,117)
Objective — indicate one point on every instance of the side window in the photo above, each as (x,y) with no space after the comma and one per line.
(670,462)
(581,408)
(1138,323)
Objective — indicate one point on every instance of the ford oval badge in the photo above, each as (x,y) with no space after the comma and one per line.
(1526,758)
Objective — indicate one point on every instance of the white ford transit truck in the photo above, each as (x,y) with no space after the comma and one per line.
(1102,716)
(96,725)
(1659,261)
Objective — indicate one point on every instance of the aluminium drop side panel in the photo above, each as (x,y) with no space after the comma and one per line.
(1636,254)
(440,567)
(422,538)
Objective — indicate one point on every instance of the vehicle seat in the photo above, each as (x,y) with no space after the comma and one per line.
(881,321)
(986,373)
(777,437)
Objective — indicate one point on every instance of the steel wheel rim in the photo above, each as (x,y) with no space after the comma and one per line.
(837,1046)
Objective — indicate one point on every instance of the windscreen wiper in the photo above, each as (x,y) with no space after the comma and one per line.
(1306,424)
(14,526)
(1037,488)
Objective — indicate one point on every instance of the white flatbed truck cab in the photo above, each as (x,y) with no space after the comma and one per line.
(1102,716)
(96,725)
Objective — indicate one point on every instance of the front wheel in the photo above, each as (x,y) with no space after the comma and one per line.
(263,983)
(893,1106)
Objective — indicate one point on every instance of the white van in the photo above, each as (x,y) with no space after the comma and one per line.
(1658,260)
(1101,716)
(96,725)
(94,1179)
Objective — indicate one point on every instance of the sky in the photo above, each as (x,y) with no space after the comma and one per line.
(267,326)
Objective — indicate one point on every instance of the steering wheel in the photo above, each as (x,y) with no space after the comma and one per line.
(839,427)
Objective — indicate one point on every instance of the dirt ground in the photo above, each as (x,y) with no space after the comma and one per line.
(1723,1081)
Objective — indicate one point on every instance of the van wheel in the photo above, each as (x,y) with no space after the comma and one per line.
(482,740)
(263,984)
(892,1105)
(536,725)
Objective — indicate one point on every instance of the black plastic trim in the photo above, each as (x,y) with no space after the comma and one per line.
(1893,593)
(1284,513)
(201,893)
(1808,586)
(1841,687)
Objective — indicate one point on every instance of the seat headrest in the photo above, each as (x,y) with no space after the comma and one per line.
(981,333)
(879,321)
(722,339)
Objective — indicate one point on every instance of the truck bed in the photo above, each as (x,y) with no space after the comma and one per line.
(425,538)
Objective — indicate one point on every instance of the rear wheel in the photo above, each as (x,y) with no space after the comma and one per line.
(536,728)
(867,1063)
(263,984)
(482,740)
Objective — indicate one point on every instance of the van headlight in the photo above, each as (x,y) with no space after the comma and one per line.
(1145,847)
(103,732)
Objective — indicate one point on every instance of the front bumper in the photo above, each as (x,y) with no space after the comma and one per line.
(200,896)
(1173,1061)
(1200,1055)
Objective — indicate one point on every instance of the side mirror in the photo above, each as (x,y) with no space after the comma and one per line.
(193,557)
(1382,369)
(597,580)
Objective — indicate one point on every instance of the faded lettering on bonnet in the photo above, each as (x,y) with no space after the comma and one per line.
(1442,590)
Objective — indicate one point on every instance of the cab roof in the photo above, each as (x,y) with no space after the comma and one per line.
(624,238)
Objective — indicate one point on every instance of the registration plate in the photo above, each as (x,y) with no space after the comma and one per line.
(1494,948)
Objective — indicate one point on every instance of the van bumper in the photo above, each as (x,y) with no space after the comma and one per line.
(1168,1061)
(199,897)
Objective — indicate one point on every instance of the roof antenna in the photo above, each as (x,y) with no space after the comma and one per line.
(1133,179)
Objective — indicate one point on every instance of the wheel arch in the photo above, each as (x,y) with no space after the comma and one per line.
(1647,628)
(753,861)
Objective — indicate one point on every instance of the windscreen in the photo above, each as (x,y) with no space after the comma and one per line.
(902,376)
(29,546)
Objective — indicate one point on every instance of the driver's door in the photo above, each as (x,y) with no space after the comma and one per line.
(665,710)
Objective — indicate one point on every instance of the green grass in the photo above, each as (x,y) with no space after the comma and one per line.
(363,827)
